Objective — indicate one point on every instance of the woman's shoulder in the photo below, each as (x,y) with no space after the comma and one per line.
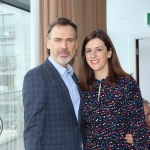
(126,79)
(85,92)
(88,91)
(127,82)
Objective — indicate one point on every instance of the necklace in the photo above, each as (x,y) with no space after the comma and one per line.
(99,91)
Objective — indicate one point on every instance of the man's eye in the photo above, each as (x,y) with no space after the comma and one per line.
(70,40)
(57,40)
(98,50)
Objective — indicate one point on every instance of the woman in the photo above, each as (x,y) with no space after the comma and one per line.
(112,103)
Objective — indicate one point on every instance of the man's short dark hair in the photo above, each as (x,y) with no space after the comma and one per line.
(61,21)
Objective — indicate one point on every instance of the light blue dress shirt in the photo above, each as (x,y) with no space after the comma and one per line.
(66,74)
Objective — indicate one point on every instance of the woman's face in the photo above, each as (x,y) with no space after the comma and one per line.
(97,55)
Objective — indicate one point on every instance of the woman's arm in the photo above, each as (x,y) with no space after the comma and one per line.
(136,115)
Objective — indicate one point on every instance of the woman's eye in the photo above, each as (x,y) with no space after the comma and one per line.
(88,51)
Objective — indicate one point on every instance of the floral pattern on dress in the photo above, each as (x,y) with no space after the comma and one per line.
(117,111)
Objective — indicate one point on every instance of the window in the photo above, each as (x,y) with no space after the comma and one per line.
(7,57)
(7,83)
(14,63)
(7,27)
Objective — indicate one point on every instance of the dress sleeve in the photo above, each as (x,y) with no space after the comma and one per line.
(137,121)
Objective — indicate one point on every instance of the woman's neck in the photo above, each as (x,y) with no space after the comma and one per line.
(101,75)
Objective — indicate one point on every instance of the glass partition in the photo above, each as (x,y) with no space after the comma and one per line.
(14,63)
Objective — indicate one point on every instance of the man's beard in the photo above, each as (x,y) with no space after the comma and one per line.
(65,60)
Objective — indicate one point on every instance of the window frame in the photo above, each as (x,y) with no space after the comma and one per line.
(17,4)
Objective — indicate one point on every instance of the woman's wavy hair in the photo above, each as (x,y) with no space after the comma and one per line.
(87,76)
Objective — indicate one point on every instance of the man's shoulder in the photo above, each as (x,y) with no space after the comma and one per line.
(42,68)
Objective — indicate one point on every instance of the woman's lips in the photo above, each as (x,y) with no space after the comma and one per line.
(94,61)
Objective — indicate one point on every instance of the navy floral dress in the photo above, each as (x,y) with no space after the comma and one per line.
(110,112)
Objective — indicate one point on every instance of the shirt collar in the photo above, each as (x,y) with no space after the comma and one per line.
(61,69)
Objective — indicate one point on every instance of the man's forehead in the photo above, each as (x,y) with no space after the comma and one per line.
(63,27)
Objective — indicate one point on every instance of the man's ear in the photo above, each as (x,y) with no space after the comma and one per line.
(48,43)
(76,46)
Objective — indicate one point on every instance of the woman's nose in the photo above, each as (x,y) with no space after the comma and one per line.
(93,54)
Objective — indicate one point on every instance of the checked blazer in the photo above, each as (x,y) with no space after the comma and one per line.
(50,120)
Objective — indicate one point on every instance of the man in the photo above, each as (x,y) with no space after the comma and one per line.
(147,112)
(51,95)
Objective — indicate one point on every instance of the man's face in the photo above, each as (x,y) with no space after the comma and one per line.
(62,44)
(147,114)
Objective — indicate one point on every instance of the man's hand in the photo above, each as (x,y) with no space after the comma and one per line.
(129,139)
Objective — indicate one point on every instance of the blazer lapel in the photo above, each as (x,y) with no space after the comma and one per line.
(79,112)
(62,86)
(76,81)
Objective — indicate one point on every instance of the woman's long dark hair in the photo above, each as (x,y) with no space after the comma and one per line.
(87,76)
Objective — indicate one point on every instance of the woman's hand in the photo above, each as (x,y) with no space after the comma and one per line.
(129,139)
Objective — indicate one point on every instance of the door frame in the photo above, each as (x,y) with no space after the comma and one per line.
(133,38)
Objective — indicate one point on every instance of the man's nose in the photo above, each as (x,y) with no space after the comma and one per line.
(64,44)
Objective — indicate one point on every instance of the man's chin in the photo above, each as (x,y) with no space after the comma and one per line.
(64,61)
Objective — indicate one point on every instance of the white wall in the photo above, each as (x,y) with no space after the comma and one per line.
(126,21)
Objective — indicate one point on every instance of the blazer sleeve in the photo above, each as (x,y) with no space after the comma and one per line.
(34,99)
(136,116)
